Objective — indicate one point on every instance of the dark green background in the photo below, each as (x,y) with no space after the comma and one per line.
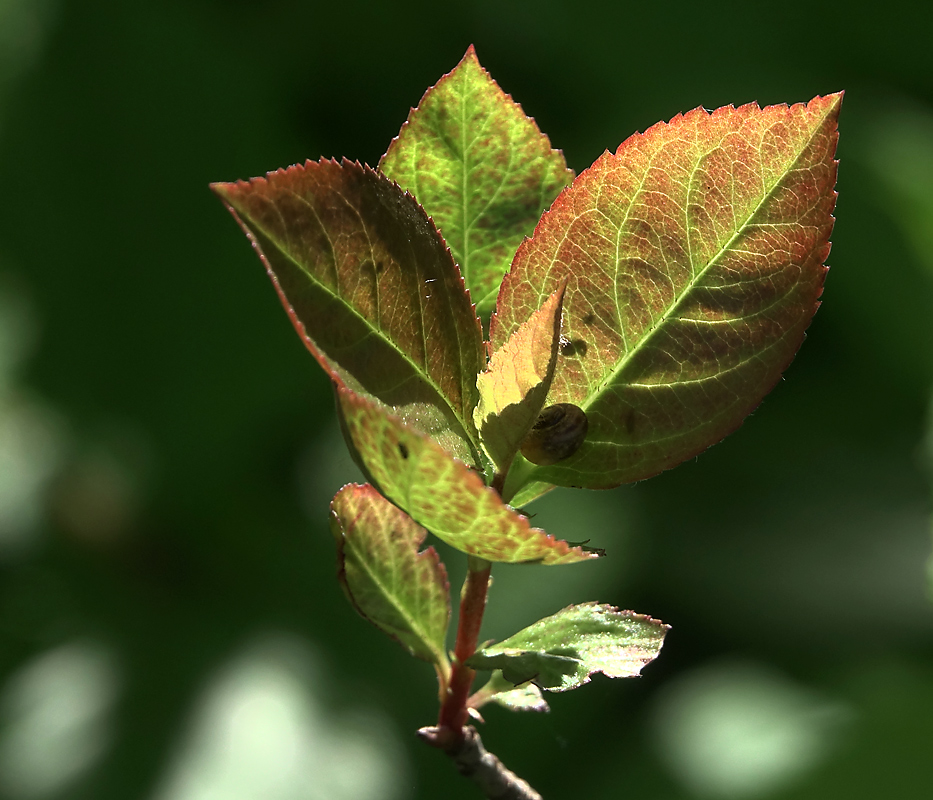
(187,518)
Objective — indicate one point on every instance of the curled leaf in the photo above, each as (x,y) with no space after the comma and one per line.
(513,389)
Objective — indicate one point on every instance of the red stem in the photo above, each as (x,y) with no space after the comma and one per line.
(454,715)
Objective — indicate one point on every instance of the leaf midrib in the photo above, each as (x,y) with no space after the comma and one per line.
(466,143)
(610,380)
(415,628)
(377,331)
(464,174)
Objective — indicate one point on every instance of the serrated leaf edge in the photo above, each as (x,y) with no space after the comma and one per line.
(439,653)
(463,416)
(540,474)
(471,54)
(517,652)
(696,278)
(474,483)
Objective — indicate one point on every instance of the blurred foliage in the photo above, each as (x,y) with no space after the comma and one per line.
(170,619)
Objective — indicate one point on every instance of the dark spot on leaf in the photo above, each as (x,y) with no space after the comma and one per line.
(380,266)
(589,319)
(403,450)
(576,347)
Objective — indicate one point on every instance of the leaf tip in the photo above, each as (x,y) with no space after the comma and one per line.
(219,188)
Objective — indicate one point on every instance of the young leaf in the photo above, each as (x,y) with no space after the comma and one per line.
(371,288)
(560,652)
(693,259)
(442,493)
(497,689)
(526,491)
(393,585)
(513,390)
(481,169)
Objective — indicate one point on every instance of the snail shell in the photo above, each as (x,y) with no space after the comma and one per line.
(557,434)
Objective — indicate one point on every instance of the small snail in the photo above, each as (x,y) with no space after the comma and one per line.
(557,434)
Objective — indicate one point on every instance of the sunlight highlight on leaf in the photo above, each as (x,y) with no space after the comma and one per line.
(694,260)
(444,494)
(561,652)
(482,170)
(513,390)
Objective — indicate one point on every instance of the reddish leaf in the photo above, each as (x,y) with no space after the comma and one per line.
(482,170)
(442,493)
(393,585)
(693,259)
(370,287)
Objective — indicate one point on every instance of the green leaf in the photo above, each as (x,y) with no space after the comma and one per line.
(560,652)
(513,390)
(371,288)
(529,491)
(497,689)
(393,585)
(694,263)
(442,493)
(481,169)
